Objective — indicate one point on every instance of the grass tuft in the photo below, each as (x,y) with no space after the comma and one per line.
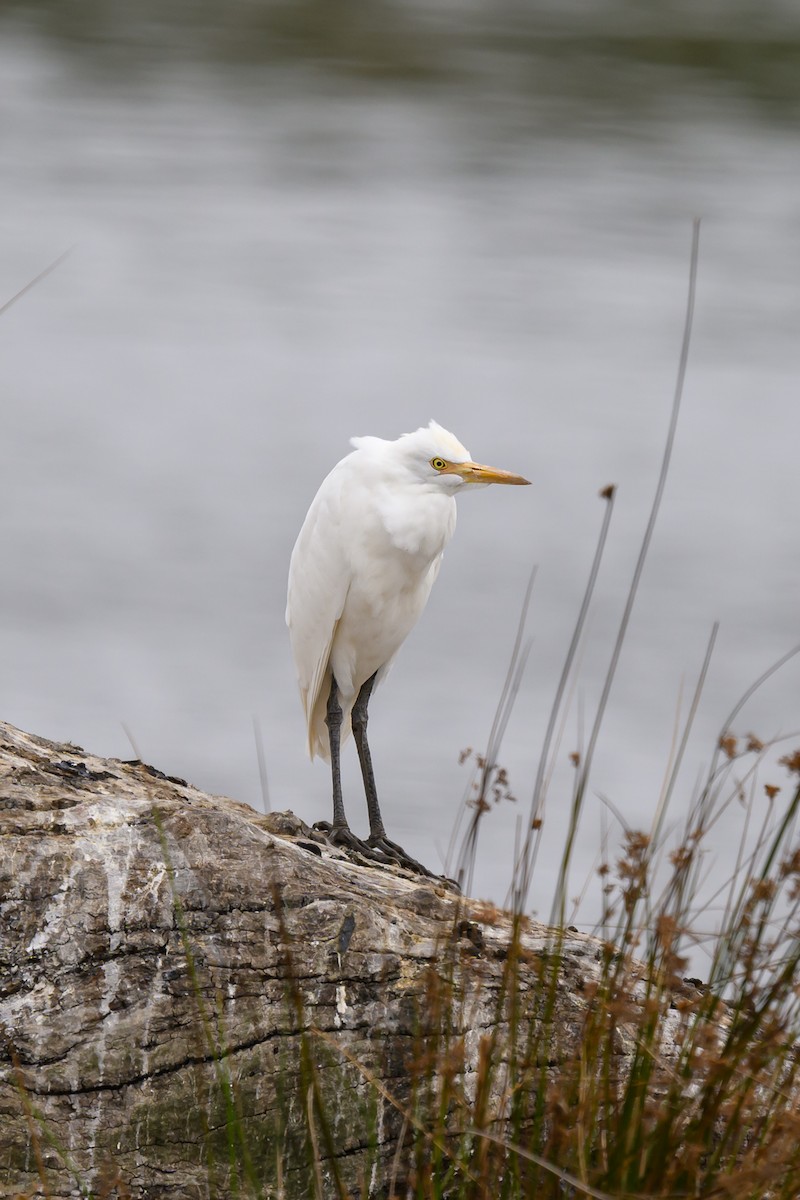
(603,1069)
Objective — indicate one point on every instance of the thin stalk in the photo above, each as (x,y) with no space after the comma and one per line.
(262,763)
(524,868)
(663,805)
(36,279)
(565,1179)
(505,705)
(586,765)
(217,1052)
(740,703)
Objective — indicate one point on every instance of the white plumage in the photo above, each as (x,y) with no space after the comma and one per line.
(364,564)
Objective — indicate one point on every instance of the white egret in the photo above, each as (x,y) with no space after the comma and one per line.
(361,572)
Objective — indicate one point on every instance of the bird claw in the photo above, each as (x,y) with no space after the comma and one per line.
(343,837)
(397,854)
(379,850)
(401,858)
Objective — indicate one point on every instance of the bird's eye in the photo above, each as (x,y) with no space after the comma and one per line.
(438,464)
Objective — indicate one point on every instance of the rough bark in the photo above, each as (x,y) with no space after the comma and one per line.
(183,979)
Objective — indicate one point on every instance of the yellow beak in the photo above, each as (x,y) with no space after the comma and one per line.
(472,472)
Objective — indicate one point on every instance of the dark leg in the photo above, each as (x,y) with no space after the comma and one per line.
(339,832)
(377,834)
(377,848)
(333,720)
(359,720)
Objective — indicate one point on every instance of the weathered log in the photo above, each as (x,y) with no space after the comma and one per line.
(183,981)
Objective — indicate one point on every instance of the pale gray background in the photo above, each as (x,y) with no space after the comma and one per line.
(283,239)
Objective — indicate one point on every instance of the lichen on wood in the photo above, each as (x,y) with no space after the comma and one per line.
(196,998)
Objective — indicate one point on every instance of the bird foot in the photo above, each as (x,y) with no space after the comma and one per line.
(343,837)
(402,859)
(397,854)
(378,850)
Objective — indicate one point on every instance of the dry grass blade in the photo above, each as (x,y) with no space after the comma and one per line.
(262,764)
(22,1091)
(409,1118)
(312,1133)
(36,279)
(557,915)
(564,1177)
(524,867)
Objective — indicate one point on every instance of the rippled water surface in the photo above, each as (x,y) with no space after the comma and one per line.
(271,256)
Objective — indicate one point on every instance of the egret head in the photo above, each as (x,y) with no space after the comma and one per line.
(437,456)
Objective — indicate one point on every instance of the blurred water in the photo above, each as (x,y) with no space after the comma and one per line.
(267,262)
